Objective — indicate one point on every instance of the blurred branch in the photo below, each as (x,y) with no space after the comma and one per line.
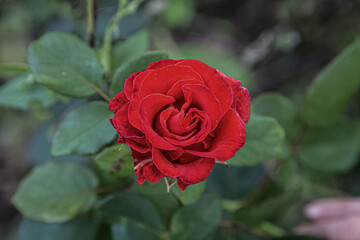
(124,10)
(91,19)
(14,68)
(101,93)
(244,229)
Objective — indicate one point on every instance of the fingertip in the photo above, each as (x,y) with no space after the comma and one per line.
(313,211)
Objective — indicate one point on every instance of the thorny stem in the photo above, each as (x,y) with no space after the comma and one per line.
(91,19)
(124,10)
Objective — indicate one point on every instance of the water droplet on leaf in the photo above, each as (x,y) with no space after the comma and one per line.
(116,33)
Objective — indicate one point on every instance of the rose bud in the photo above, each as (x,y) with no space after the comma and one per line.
(178,116)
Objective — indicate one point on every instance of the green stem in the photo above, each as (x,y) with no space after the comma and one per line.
(109,35)
(124,10)
(91,17)
(102,94)
(221,162)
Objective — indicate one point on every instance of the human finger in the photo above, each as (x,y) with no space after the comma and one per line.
(347,228)
(331,208)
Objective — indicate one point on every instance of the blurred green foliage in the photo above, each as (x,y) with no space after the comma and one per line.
(303,137)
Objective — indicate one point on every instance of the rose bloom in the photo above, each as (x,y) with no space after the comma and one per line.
(178,116)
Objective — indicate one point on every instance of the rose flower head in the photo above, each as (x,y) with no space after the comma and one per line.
(178,116)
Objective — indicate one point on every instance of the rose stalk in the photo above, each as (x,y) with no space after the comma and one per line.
(178,116)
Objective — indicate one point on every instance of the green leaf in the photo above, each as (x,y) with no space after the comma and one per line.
(132,47)
(132,231)
(191,194)
(65,64)
(14,68)
(279,107)
(179,13)
(332,149)
(39,147)
(56,192)
(287,173)
(84,130)
(196,221)
(116,208)
(269,208)
(79,228)
(24,93)
(264,140)
(334,87)
(164,202)
(234,182)
(134,65)
(116,160)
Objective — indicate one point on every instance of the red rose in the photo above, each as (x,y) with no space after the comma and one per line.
(178,116)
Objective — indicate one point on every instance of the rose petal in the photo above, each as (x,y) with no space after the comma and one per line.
(151,173)
(233,81)
(133,83)
(163,63)
(181,185)
(177,92)
(173,155)
(207,142)
(146,170)
(230,136)
(133,114)
(204,99)
(182,131)
(148,110)
(222,91)
(180,124)
(203,69)
(138,156)
(128,85)
(162,122)
(242,103)
(118,101)
(214,81)
(121,139)
(199,132)
(138,144)
(122,124)
(161,80)
(187,158)
(189,173)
